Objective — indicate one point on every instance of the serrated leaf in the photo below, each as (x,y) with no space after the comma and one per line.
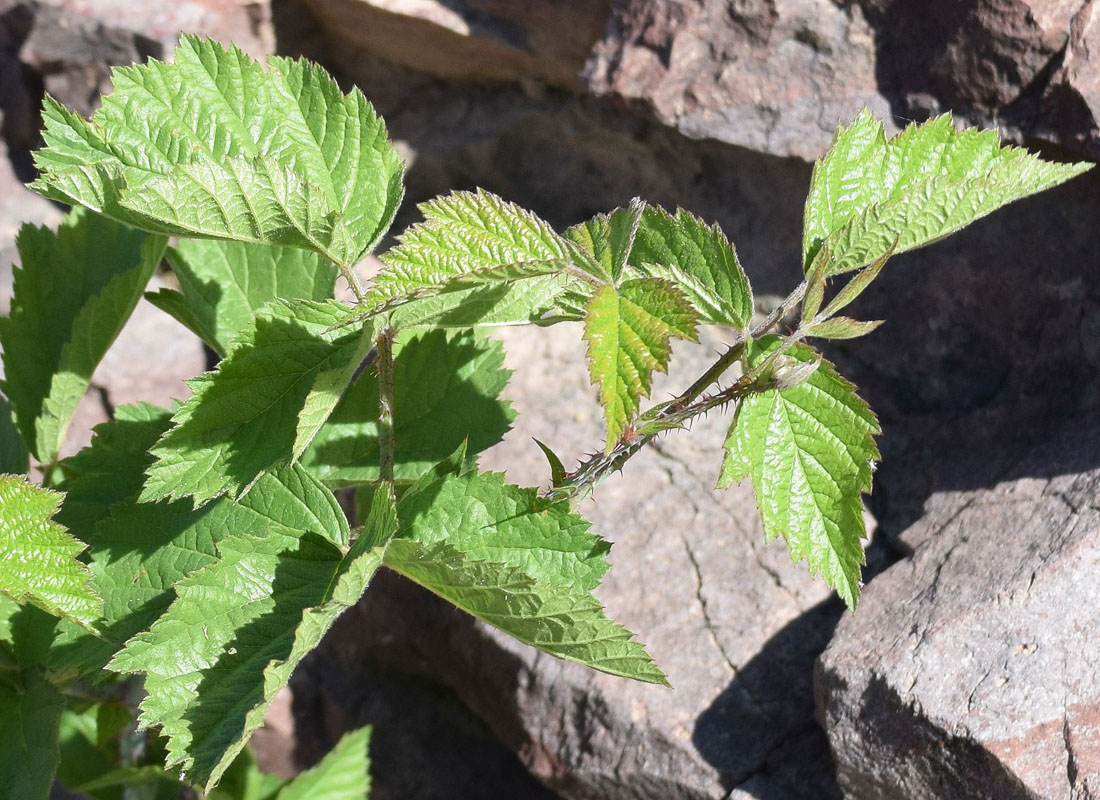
(699,260)
(214,146)
(40,563)
(482,517)
(138,551)
(74,292)
(609,238)
(238,627)
(224,284)
(343,773)
(13,451)
(445,393)
(629,331)
(263,405)
(243,780)
(458,305)
(30,710)
(464,233)
(869,196)
(810,452)
(564,622)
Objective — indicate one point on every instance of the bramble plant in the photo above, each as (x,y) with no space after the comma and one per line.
(202,547)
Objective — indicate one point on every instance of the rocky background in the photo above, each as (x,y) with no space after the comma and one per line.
(972,667)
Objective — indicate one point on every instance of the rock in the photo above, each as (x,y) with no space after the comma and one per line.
(772,75)
(73,44)
(970,670)
(999,63)
(477,40)
(734,623)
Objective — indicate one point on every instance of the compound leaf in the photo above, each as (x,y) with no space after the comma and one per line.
(40,563)
(567,623)
(212,145)
(810,451)
(870,197)
(610,238)
(445,393)
(263,405)
(482,517)
(30,708)
(629,330)
(224,285)
(228,643)
(699,260)
(74,292)
(343,773)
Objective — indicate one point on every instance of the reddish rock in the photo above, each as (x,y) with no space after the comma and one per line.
(971,669)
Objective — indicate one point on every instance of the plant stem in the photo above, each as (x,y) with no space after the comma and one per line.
(385,405)
(685,406)
(353,282)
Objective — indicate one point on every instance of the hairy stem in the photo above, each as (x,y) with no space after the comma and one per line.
(385,405)
(353,282)
(685,406)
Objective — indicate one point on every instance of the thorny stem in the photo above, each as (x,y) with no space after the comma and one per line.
(686,406)
(353,282)
(385,404)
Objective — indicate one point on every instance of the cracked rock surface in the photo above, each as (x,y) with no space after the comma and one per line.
(971,669)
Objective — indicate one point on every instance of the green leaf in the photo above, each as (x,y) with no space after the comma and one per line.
(483,518)
(72,295)
(88,748)
(629,331)
(458,305)
(238,627)
(842,328)
(226,283)
(445,393)
(464,233)
(263,405)
(869,196)
(13,451)
(564,622)
(213,146)
(40,563)
(30,710)
(610,237)
(343,773)
(699,260)
(138,551)
(810,451)
(243,780)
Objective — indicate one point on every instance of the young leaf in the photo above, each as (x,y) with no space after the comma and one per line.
(869,196)
(72,296)
(482,517)
(567,623)
(810,451)
(226,283)
(842,328)
(610,237)
(464,233)
(445,393)
(343,773)
(40,563)
(30,710)
(263,405)
(629,330)
(229,642)
(699,260)
(213,146)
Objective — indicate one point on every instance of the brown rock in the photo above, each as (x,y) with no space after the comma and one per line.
(479,40)
(769,75)
(971,669)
